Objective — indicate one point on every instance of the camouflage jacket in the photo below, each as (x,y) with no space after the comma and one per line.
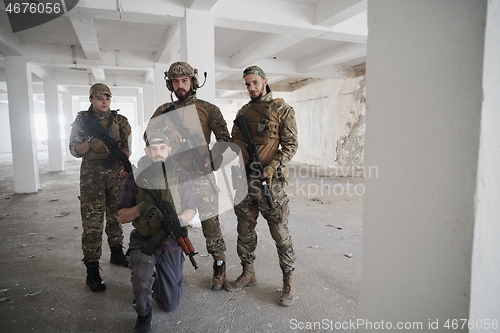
(79,133)
(214,121)
(287,142)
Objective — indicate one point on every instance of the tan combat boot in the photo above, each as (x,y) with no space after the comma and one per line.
(246,279)
(287,294)
(219,278)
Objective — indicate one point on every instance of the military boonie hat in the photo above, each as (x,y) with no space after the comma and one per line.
(99,89)
(254,70)
(180,69)
(156,138)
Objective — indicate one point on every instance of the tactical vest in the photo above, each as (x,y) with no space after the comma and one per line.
(263,120)
(186,161)
(109,123)
(148,228)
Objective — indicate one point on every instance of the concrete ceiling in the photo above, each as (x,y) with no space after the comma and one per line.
(121,41)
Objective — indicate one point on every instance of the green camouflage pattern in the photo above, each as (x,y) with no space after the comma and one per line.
(100,191)
(288,131)
(255,201)
(247,213)
(79,134)
(206,200)
(254,70)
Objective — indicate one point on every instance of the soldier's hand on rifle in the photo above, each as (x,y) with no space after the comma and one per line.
(149,211)
(174,135)
(268,173)
(98,145)
(122,174)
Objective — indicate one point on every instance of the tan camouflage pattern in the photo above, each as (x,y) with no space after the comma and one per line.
(99,89)
(206,200)
(287,133)
(255,201)
(100,190)
(180,69)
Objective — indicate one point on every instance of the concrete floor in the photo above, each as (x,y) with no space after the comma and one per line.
(42,279)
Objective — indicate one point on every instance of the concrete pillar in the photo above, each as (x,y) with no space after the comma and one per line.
(485,289)
(149,102)
(21,116)
(160,91)
(53,114)
(424,95)
(197,48)
(69,116)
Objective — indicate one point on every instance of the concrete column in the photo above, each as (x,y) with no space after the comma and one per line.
(197,48)
(160,91)
(21,116)
(485,289)
(149,102)
(53,114)
(424,95)
(69,116)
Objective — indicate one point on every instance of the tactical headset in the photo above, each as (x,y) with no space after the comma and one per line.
(194,81)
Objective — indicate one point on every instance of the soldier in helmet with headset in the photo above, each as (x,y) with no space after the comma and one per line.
(181,80)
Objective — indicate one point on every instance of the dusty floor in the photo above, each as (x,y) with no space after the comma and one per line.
(42,279)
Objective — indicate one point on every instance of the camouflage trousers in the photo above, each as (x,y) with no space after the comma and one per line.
(100,191)
(207,203)
(247,212)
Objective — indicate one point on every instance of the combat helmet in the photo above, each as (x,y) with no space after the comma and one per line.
(181,69)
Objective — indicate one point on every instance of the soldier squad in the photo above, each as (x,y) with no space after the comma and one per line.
(173,181)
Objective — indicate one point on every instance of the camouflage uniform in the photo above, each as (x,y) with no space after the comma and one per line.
(281,130)
(100,187)
(207,200)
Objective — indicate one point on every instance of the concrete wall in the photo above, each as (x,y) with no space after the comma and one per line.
(330,117)
(424,95)
(485,289)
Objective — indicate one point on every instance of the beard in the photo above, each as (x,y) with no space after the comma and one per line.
(182,94)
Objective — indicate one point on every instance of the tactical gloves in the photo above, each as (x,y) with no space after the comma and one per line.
(98,145)
(269,172)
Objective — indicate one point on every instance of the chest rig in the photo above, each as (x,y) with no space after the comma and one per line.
(110,123)
(263,120)
(163,185)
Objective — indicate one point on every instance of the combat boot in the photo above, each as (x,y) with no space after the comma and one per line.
(219,278)
(117,256)
(94,280)
(246,279)
(143,323)
(287,294)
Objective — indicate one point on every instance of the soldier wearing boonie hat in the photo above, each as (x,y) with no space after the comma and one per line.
(181,79)
(100,186)
(276,135)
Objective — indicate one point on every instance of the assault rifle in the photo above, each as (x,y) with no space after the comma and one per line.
(193,141)
(170,224)
(255,163)
(96,130)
